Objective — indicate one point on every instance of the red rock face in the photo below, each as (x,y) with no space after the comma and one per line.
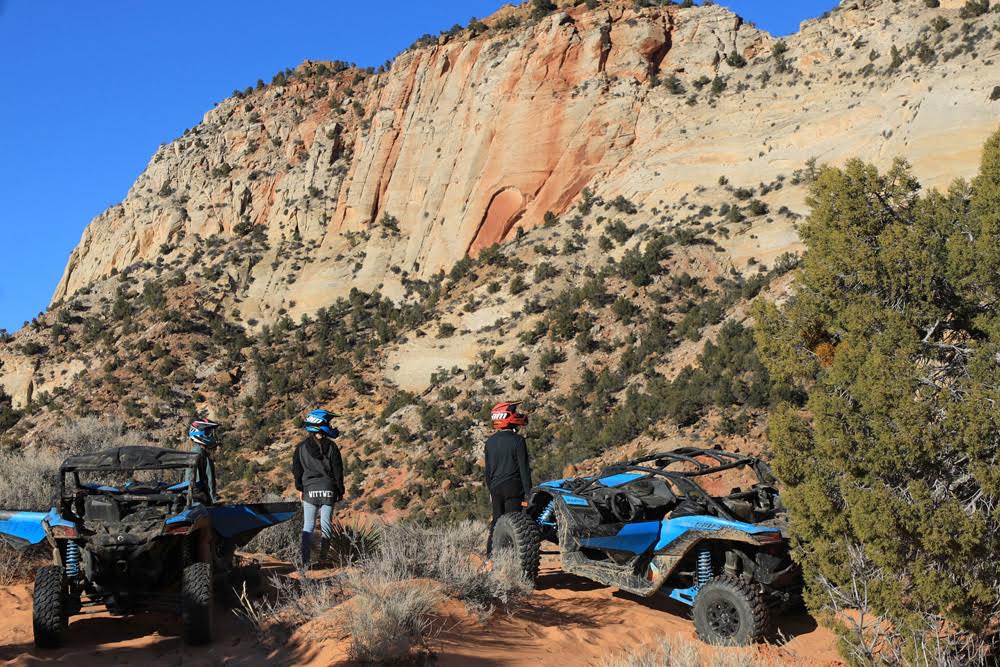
(483,136)
(502,213)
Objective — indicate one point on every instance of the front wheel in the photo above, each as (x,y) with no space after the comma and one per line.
(518,534)
(196,603)
(48,612)
(730,611)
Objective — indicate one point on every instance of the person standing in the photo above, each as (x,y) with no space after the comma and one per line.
(319,474)
(204,439)
(508,473)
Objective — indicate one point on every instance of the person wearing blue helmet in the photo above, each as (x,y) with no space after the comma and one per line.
(204,439)
(319,475)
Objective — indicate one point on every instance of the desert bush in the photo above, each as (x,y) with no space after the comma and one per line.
(940,24)
(18,565)
(396,584)
(449,555)
(673,85)
(8,415)
(389,617)
(540,8)
(544,271)
(973,8)
(736,59)
(28,476)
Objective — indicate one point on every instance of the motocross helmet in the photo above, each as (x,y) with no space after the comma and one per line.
(318,421)
(505,415)
(202,432)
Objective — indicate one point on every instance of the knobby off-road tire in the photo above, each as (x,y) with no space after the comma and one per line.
(517,532)
(730,611)
(196,604)
(48,613)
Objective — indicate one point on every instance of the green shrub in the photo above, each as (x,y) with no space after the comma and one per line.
(973,8)
(153,295)
(540,384)
(222,170)
(545,271)
(889,471)
(940,23)
(540,8)
(736,59)
(623,205)
(517,285)
(673,85)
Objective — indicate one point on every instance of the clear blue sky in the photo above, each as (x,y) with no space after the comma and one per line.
(90,89)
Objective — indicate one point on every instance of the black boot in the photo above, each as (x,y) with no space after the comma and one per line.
(304,554)
(324,552)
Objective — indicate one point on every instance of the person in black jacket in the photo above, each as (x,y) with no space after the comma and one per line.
(204,440)
(319,474)
(508,474)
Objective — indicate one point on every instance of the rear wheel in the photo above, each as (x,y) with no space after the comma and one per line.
(48,613)
(730,611)
(196,603)
(519,534)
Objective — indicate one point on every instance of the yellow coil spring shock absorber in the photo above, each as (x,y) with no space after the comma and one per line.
(704,572)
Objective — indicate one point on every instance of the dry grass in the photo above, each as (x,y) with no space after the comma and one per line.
(397,577)
(452,556)
(350,542)
(390,618)
(28,476)
(678,652)
(17,565)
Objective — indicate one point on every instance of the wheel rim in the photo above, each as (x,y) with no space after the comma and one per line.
(723,618)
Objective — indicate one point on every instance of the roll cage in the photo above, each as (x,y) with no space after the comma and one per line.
(132,458)
(684,480)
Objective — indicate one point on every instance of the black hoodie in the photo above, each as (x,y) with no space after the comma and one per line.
(319,471)
(506,459)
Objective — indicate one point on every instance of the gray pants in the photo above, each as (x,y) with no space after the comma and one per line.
(325,518)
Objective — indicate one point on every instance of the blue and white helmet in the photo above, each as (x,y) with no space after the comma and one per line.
(318,421)
(202,431)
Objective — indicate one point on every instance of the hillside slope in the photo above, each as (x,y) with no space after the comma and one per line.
(567,208)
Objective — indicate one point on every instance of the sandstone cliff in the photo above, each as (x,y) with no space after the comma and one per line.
(462,142)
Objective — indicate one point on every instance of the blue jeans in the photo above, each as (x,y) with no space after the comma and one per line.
(325,518)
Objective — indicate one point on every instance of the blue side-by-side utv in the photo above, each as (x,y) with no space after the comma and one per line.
(133,545)
(647,525)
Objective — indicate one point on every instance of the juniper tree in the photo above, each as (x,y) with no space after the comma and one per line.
(894,332)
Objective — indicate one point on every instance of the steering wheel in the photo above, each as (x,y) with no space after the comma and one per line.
(624,506)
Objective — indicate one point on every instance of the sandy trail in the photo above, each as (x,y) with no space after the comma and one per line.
(569,619)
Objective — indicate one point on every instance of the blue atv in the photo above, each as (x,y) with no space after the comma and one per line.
(125,538)
(648,526)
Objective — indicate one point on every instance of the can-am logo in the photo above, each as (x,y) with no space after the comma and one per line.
(497,416)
